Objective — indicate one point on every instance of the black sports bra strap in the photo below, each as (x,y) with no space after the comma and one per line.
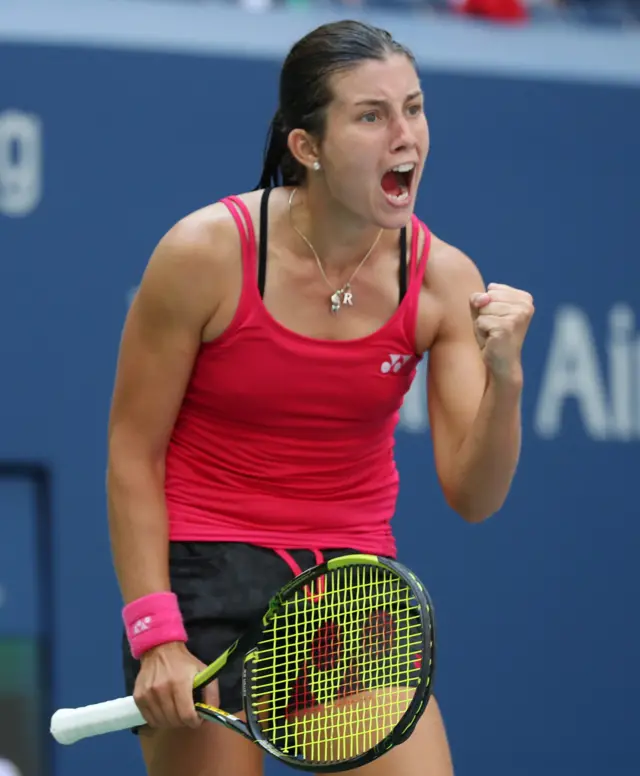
(262,247)
(402,270)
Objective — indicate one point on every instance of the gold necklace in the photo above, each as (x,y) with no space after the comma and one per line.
(342,295)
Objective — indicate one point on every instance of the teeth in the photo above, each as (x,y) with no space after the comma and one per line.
(399,197)
(404,167)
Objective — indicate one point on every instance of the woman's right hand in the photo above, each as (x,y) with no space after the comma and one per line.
(164,687)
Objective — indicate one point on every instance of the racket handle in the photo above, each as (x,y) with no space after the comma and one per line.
(71,725)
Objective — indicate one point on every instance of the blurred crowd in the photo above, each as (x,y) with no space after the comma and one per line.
(603,13)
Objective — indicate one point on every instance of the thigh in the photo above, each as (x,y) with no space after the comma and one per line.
(426,753)
(211,750)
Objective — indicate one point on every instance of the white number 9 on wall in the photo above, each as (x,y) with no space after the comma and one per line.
(20,163)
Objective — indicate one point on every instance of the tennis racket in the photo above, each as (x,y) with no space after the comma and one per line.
(338,671)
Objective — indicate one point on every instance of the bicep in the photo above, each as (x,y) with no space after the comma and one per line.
(456,383)
(456,375)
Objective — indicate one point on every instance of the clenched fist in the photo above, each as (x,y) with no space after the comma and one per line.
(164,687)
(501,317)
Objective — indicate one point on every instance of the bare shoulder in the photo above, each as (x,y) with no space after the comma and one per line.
(450,270)
(196,247)
(204,241)
(190,265)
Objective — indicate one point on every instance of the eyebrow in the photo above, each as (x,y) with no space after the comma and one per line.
(371,101)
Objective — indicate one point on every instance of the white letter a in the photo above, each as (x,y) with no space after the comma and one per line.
(572,371)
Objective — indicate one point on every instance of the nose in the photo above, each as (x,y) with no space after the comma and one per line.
(402,135)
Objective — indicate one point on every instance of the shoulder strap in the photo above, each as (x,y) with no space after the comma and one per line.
(417,268)
(262,249)
(242,217)
(402,270)
(424,256)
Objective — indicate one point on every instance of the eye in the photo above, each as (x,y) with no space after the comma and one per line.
(369,118)
(415,110)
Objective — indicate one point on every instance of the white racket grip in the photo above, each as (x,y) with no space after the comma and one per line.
(71,725)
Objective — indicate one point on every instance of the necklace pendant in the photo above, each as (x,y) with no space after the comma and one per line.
(335,302)
(347,296)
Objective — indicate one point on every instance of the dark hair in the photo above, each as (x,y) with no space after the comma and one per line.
(305,90)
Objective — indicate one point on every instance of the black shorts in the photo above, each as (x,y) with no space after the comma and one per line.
(222,589)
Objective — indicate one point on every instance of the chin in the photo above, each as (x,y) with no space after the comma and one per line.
(386,218)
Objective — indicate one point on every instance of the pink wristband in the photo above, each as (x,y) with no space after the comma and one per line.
(153,620)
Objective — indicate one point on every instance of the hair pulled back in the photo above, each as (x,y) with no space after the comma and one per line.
(305,93)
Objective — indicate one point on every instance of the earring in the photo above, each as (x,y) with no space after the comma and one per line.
(316,166)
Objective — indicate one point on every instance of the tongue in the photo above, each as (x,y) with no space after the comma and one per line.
(392,183)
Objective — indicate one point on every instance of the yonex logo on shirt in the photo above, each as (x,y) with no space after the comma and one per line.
(394,364)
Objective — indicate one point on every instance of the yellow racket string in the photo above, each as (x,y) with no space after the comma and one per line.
(337,668)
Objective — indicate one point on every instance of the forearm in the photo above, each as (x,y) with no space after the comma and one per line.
(486,462)
(138,526)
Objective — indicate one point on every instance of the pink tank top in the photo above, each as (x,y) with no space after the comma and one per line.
(286,441)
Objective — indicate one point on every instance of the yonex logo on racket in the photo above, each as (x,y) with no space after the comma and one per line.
(394,364)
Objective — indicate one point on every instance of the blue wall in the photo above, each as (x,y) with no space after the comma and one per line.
(538,182)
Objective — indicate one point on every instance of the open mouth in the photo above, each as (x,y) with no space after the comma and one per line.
(396,182)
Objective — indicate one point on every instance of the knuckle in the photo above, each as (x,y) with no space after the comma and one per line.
(160,695)
(140,696)
(527,301)
(158,689)
(524,315)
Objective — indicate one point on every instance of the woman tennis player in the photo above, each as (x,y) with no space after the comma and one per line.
(261,370)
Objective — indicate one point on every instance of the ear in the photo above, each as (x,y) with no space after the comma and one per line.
(304,148)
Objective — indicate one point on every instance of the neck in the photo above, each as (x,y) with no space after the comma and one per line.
(340,239)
